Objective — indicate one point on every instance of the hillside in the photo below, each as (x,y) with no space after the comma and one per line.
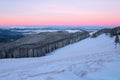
(36,45)
(89,59)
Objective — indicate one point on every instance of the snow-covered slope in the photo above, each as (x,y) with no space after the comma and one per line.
(89,59)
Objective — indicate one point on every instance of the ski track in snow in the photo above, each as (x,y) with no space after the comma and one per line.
(63,66)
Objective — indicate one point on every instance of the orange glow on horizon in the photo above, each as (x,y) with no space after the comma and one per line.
(61,21)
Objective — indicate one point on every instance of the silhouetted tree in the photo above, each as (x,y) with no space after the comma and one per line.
(117,41)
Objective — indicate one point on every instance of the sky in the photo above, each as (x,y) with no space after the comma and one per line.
(60,12)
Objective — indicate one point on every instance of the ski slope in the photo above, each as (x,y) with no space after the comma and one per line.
(89,59)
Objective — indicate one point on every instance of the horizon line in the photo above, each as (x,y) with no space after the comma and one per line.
(59,25)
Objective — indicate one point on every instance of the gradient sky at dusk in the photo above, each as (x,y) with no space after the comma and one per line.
(60,12)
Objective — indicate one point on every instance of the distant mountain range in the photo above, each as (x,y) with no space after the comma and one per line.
(8,34)
(51,27)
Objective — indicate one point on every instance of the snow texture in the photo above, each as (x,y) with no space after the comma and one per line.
(89,59)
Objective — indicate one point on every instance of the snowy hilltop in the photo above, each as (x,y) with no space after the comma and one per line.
(89,59)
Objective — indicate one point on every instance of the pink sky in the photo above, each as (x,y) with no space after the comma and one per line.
(60,12)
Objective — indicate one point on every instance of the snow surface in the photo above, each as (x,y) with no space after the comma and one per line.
(89,59)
